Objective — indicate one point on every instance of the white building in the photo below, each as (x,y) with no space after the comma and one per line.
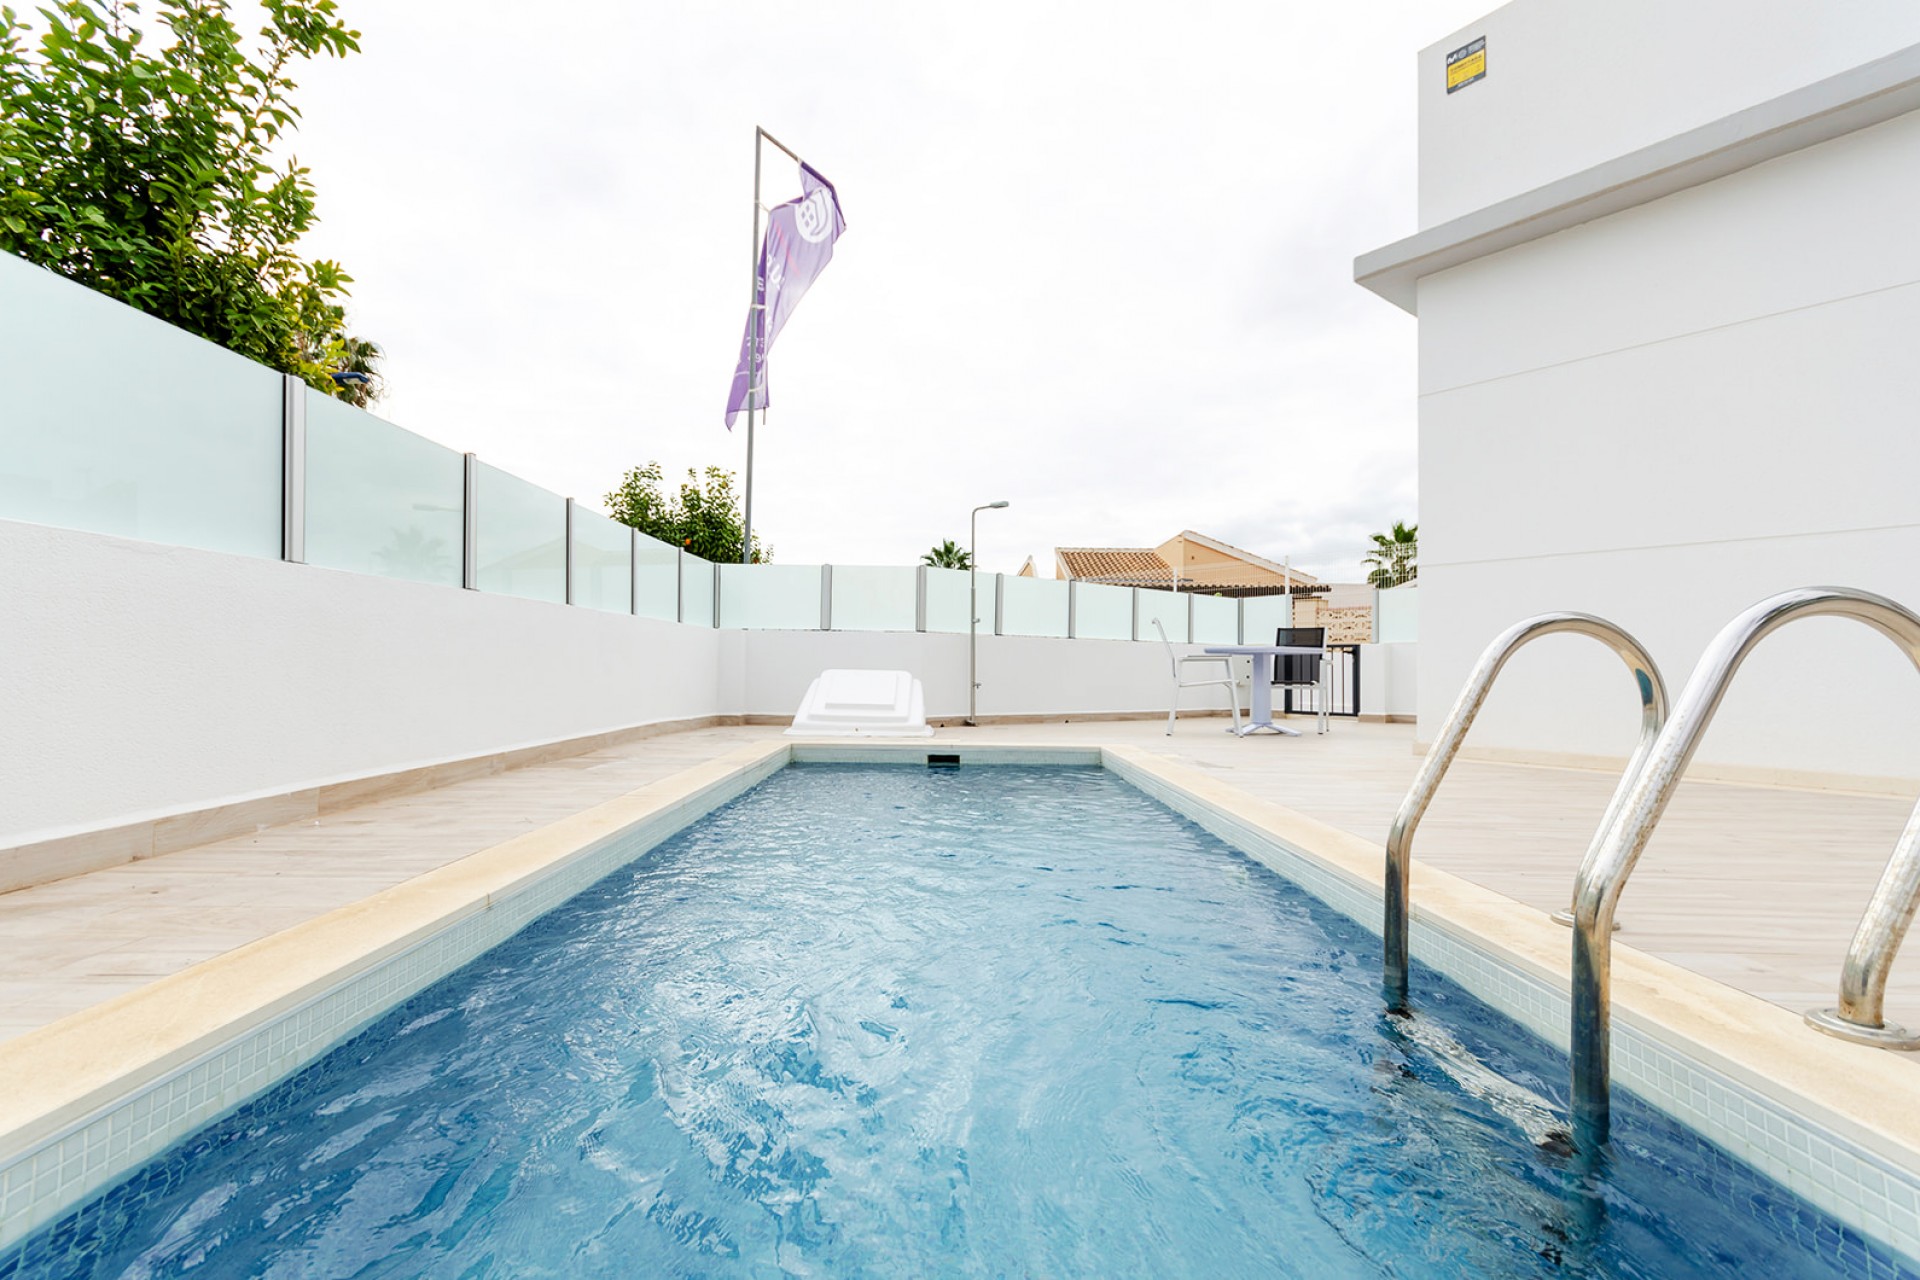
(1668,286)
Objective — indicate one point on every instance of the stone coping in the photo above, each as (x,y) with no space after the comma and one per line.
(71,853)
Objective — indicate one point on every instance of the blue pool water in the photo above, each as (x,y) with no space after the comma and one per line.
(873,1021)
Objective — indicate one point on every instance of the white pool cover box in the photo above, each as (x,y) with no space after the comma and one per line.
(863,704)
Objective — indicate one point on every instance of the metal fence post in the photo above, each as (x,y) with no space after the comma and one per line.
(680,584)
(999,602)
(716,595)
(1136,611)
(633,570)
(826,597)
(1073,612)
(293,477)
(1190,612)
(469,532)
(920,599)
(568,560)
(1240,621)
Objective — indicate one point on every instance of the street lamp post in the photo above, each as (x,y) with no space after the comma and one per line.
(973,608)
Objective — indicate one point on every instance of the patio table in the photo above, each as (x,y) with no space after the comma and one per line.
(1260,715)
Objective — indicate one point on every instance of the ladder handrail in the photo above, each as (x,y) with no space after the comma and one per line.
(1446,744)
(1623,836)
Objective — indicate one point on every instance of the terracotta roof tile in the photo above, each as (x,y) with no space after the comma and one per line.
(1109,564)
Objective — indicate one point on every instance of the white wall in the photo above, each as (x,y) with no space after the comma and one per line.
(1666,414)
(1403,676)
(138,679)
(1389,680)
(1570,85)
(1019,675)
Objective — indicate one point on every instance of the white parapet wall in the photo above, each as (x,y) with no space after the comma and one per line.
(141,682)
(1696,392)
(1389,682)
(1019,675)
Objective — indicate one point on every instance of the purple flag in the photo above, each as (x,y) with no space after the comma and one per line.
(798,245)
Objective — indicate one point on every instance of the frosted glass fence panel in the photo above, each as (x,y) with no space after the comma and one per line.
(770,596)
(867,598)
(656,582)
(696,591)
(1101,612)
(1396,615)
(602,562)
(1168,606)
(947,600)
(520,536)
(1265,615)
(1216,620)
(381,500)
(1033,607)
(119,423)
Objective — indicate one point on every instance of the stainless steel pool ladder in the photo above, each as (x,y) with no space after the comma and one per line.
(1653,713)
(1623,834)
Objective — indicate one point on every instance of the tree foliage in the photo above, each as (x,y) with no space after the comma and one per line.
(704,519)
(150,176)
(1394,558)
(948,555)
(357,377)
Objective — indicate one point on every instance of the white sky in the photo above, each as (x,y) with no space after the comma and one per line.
(1098,258)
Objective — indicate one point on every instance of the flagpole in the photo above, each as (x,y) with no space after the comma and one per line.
(756,316)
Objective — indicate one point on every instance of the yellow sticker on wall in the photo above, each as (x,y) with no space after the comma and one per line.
(1467,64)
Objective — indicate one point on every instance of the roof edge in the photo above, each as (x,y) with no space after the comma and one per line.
(1855,99)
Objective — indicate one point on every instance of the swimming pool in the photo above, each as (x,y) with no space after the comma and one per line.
(886,1021)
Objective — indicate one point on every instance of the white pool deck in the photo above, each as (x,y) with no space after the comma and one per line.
(1756,887)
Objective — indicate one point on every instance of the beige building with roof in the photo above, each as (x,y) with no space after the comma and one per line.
(1188,561)
(1191,561)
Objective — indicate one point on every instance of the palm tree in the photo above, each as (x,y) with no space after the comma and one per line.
(1394,559)
(948,556)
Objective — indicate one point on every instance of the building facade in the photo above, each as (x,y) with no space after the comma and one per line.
(1668,302)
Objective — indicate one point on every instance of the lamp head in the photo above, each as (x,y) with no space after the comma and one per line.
(994,506)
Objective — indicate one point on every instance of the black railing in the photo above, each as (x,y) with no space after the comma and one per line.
(1342,686)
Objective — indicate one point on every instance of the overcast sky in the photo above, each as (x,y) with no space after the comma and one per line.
(1098,258)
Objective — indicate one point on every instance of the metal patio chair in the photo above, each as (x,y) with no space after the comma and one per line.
(1299,670)
(1176,662)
